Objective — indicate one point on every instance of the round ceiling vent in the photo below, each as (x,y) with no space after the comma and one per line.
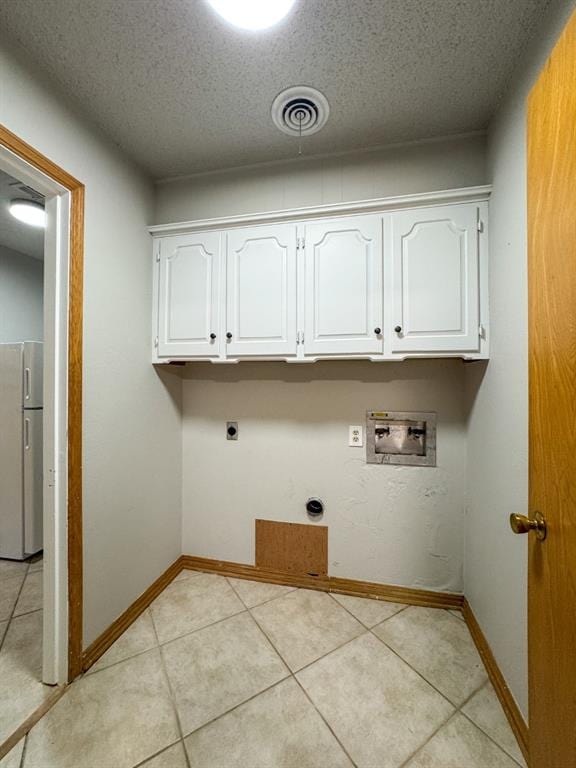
(300,110)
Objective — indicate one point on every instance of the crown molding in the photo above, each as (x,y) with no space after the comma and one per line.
(377,205)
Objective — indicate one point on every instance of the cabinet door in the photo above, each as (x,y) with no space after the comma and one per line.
(435,298)
(189,295)
(343,286)
(261,291)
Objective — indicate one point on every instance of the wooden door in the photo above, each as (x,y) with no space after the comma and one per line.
(189,295)
(343,286)
(435,306)
(552,355)
(261,291)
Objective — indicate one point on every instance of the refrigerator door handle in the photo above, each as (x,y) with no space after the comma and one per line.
(26,434)
(26,383)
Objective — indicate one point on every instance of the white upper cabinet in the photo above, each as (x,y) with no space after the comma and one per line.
(188,291)
(261,291)
(379,279)
(434,279)
(343,290)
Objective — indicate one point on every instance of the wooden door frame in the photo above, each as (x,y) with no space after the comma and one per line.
(28,154)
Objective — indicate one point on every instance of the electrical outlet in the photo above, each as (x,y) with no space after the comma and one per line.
(355,437)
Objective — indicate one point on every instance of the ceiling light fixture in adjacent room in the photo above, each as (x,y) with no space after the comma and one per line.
(29,212)
(252,14)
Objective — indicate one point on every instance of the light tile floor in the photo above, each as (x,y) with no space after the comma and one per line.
(227,673)
(21,691)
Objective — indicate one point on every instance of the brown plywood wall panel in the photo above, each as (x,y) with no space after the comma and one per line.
(292,547)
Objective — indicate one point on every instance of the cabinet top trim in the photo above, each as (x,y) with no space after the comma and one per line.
(376,205)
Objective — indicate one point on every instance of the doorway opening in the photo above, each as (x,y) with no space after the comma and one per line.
(41,370)
(22,225)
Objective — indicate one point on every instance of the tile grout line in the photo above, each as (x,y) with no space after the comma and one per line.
(93,671)
(488,736)
(457,708)
(491,738)
(293,676)
(198,629)
(26,613)
(400,610)
(420,675)
(156,754)
(170,692)
(245,609)
(254,696)
(90,672)
(5,635)
(264,602)
(443,725)
(237,706)
(11,616)
(371,631)
(309,664)
(428,740)
(326,723)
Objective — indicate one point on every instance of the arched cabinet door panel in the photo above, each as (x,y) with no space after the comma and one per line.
(343,286)
(189,286)
(261,291)
(435,304)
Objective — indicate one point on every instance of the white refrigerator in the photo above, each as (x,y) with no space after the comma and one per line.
(20,449)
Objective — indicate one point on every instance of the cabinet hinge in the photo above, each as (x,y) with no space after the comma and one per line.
(481,331)
(297,337)
(300,244)
(156,341)
(480,225)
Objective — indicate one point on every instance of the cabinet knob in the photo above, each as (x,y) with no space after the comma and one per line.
(398,329)
(228,335)
(377,331)
(212,336)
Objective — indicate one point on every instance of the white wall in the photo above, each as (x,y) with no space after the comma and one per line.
(401,170)
(131,454)
(495,580)
(21,296)
(397,525)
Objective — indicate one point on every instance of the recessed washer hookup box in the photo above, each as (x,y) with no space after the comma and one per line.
(401,437)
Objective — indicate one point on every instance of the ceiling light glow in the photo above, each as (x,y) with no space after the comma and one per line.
(252,14)
(29,212)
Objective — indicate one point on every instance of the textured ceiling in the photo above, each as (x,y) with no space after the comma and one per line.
(13,233)
(181,91)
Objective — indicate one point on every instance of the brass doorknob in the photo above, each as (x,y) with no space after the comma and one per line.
(523,524)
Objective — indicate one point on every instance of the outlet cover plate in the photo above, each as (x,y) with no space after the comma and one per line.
(355,436)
